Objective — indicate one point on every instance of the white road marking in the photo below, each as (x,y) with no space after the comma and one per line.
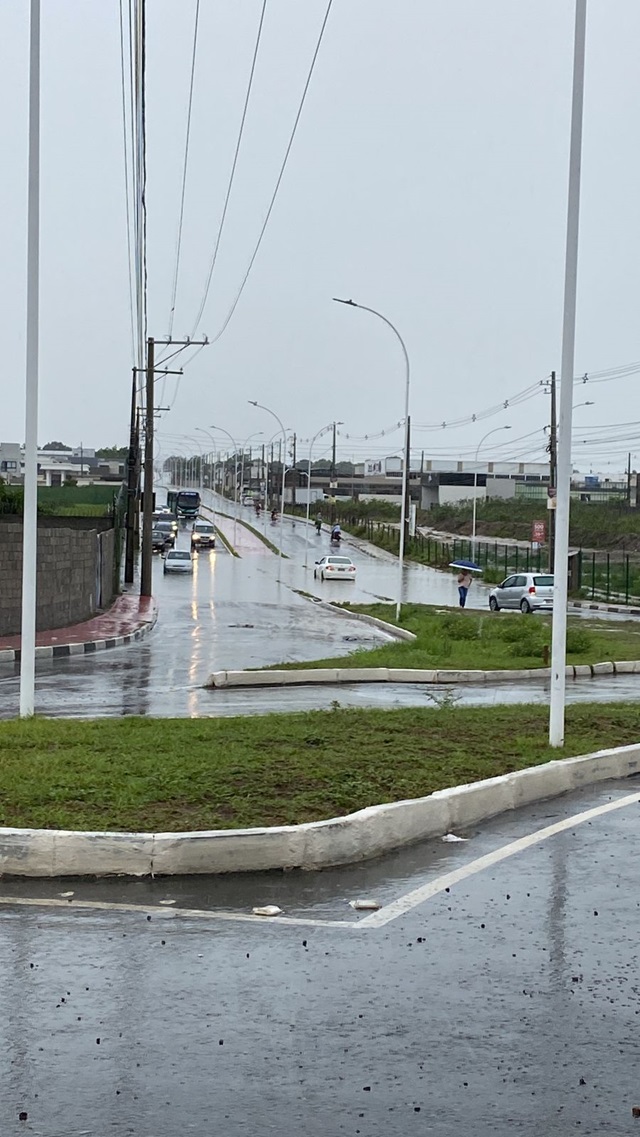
(169,913)
(376,920)
(418,896)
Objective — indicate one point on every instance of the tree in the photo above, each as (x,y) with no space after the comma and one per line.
(56,446)
(113,452)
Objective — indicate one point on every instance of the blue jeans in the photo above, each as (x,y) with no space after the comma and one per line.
(462,591)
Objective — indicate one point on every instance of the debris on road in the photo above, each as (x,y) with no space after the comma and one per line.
(268,910)
(365,905)
(451,837)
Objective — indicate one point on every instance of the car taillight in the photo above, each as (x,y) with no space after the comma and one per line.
(532,588)
(352,568)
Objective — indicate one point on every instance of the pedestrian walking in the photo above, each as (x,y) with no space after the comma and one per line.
(464,584)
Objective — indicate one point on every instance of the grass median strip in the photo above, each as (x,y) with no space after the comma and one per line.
(486,641)
(184,774)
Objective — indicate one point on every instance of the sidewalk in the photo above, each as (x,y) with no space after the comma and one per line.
(129,618)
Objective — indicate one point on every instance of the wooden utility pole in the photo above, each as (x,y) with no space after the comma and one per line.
(553,469)
(147,501)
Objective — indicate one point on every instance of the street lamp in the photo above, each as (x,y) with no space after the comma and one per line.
(475,482)
(323,430)
(255,403)
(235,464)
(255,434)
(405,464)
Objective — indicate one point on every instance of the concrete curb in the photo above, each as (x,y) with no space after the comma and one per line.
(373,621)
(621,609)
(320,844)
(322,675)
(83,647)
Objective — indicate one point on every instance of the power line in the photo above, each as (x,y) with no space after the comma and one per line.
(278,181)
(185,164)
(234,164)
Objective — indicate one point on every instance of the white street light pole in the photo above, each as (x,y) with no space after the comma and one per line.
(324,430)
(235,464)
(30,508)
(254,403)
(255,434)
(561,559)
(405,463)
(475,483)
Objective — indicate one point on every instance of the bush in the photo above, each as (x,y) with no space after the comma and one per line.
(578,640)
(458,627)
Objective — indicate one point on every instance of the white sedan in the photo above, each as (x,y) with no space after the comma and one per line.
(178,560)
(333,568)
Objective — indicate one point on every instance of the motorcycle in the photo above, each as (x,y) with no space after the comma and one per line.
(336,538)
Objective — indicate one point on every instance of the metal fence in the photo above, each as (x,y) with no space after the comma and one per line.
(599,576)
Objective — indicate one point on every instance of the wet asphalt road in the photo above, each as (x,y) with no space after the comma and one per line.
(507,1003)
(248,612)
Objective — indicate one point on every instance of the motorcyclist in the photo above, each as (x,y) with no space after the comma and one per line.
(274,514)
(336,533)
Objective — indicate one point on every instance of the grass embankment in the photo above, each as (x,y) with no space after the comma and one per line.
(591,526)
(171,775)
(487,641)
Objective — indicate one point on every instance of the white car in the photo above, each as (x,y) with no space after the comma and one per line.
(334,568)
(178,560)
(528,591)
(203,535)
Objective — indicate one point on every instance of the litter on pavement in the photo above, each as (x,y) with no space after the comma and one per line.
(365,905)
(268,910)
(451,837)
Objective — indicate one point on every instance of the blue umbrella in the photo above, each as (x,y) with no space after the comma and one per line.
(471,566)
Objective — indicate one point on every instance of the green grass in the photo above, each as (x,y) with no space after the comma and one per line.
(448,638)
(80,510)
(592,525)
(162,774)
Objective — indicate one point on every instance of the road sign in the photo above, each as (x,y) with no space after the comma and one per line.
(538,532)
(552,497)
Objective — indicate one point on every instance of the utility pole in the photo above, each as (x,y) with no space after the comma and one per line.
(629,480)
(553,470)
(147,501)
(407,504)
(295,472)
(132,485)
(333,482)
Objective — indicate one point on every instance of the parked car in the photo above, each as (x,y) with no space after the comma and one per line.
(203,535)
(178,560)
(332,568)
(528,591)
(161,540)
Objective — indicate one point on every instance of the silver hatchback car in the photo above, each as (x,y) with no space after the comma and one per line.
(528,591)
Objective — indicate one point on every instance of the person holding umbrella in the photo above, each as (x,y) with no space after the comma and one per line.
(464,578)
(464,584)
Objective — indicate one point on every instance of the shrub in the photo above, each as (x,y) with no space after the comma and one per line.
(578,641)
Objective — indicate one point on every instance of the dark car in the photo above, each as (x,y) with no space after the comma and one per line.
(162,538)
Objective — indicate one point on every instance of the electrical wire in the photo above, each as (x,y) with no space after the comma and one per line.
(274,195)
(234,164)
(127,188)
(185,166)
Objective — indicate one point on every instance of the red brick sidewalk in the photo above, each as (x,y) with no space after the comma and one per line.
(129,618)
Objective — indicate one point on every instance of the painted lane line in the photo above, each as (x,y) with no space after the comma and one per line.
(425,892)
(170,913)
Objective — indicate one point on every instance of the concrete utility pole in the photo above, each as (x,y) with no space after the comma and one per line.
(553,469)
(561,556)
(30,507)
(295,473)
(132,486)
(407,481)
(147,501)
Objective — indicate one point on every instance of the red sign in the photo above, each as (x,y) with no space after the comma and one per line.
(538,532)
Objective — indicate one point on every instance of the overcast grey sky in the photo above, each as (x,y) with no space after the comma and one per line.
(428,179)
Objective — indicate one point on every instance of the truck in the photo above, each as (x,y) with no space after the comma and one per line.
(184,503)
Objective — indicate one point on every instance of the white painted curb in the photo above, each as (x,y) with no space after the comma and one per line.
(340,840)
(333,675)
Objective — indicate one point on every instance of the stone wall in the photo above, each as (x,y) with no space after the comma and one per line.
(76,574)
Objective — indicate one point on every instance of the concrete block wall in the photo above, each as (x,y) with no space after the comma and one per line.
(73,578)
